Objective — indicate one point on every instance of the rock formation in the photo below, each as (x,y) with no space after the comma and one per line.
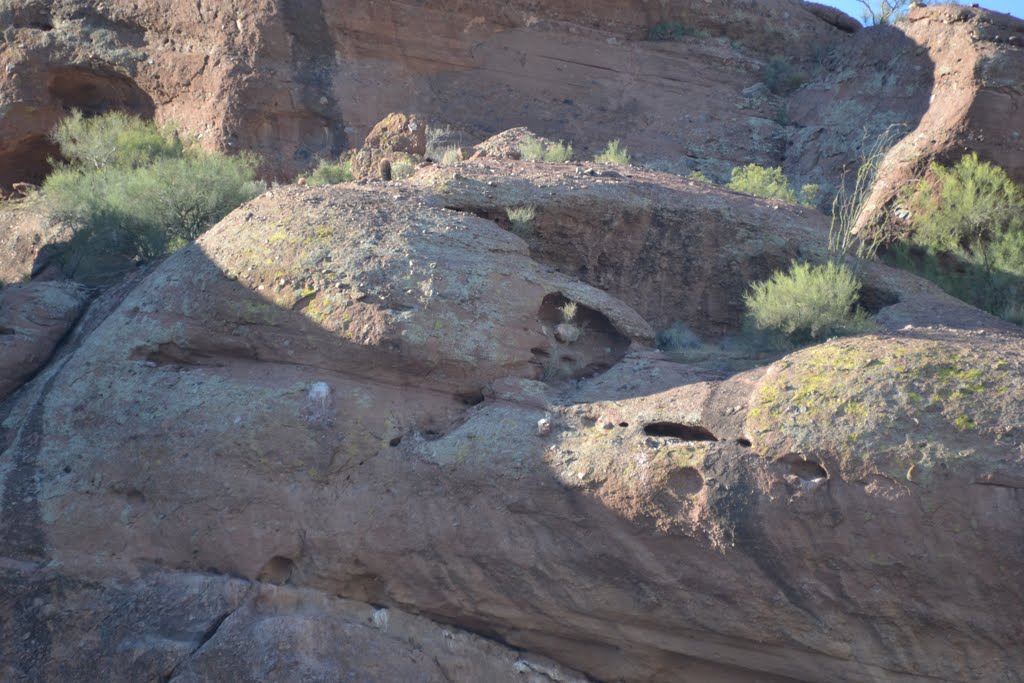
(370,432)
(338,390)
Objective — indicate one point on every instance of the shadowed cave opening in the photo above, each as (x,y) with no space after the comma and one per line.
(583,344)
(91,91)
(677,430)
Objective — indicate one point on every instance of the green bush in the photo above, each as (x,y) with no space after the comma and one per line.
(558,152)
(697,175)
(968,235)
(531,149)
(114,139)
(534,149)
(328,173)
(614,153)
(808,303)
(138,193)
(771,183)
(521,218)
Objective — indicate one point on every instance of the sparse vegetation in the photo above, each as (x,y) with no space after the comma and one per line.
(450,156)
(697,175)
(558,152)
(521,218)
(808,303)
(851,200)
(771,183)
(132,190)
(402,169)
(968,235)
(328,173)
(534,149)
(781,77)
(614,153)
(568,311)
(672,30)
(882,12)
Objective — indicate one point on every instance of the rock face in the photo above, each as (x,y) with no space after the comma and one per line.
(369,392)
(34,317)
(303,79)
(294,81)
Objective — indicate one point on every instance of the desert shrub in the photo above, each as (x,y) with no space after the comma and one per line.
(614,153)
(534,149)
(114,139)
(521,218)
(558,152)
(771,183)
(672,30)
(968,235)
(676,338)
(882,12)
(330,173)
(808,302)
(697,175)
(531,149)
(402,169)
(781,77)
(139,193)
(450,156)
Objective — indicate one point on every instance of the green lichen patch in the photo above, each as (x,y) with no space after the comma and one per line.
(898,404)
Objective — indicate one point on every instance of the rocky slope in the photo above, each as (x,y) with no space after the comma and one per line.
(297,80)
(364,392)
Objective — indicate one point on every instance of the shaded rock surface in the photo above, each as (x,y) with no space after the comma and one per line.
(339,390)
(34,317)
(198,627)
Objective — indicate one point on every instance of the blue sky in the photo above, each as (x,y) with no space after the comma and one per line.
(854,8)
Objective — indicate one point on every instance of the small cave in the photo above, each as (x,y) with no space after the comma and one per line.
(582,342)
(874,299)
(96,92)
(677,430)
(91,91)
(744,442)
(278,570)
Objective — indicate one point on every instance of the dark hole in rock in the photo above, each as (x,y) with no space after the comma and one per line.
(623,424)
(874,299)
(395,441)
(685,481)
(594,342)
(471,398)
(807,470)
(278,570)
(96,92)
(675,430)
(744,442)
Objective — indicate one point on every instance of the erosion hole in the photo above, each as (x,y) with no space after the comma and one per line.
(807,470)
(676,430)
(686,481)
(277,571)
(395,441)
(583,346)
(744,442)
(874,299)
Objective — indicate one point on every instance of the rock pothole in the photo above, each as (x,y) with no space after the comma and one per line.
(582,342)
(678,430)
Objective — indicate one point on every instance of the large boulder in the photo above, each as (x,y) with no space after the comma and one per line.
(356,392)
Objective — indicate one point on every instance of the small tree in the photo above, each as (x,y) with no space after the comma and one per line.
(881,12)
(808,302)
(131,190)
